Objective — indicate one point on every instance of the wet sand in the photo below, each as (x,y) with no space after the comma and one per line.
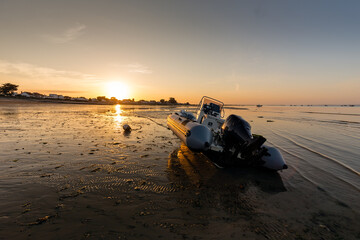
(70,172)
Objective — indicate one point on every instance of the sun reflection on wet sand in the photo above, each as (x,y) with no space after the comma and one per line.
(118,117)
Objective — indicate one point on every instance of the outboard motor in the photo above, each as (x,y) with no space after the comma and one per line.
(236,130)
(237,135)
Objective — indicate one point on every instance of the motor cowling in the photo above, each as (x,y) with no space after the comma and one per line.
(236,130)
(240,142)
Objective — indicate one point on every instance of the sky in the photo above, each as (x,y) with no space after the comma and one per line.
(240,52)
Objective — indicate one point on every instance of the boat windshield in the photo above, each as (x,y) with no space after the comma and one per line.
(208,103)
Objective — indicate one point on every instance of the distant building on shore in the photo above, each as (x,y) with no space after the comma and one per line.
(80,99)
(26,94)
(56,96)
(38,95)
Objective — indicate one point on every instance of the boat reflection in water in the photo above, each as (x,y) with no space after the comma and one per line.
(202,184)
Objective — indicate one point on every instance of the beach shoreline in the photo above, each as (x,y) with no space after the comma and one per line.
(70,171)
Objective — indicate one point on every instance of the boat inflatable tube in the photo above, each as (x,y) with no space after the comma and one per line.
(196,136)
(274,160)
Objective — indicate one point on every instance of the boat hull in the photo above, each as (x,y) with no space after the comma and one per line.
(198,137)
(273,160)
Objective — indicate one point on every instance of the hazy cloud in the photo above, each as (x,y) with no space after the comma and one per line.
(68,35)
(138,68)
(31,71)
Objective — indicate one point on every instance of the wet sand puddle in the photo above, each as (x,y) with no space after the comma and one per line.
(72,172)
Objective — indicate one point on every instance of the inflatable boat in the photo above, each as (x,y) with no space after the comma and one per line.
(227,142)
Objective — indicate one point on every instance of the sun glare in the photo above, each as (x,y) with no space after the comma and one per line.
(118,90)
(118,111)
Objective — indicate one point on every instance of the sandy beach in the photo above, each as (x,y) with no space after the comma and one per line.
(70,172)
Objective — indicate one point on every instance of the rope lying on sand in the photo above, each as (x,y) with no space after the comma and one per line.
(149,118)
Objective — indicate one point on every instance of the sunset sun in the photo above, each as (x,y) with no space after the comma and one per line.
(118,90)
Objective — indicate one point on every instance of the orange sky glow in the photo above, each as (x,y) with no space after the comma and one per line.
(240,52)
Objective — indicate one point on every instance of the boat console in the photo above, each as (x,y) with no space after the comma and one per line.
(209,113)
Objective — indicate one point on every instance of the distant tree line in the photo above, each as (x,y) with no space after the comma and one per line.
(8,89)
(171,100)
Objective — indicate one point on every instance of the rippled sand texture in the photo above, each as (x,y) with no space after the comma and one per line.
(70,172)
